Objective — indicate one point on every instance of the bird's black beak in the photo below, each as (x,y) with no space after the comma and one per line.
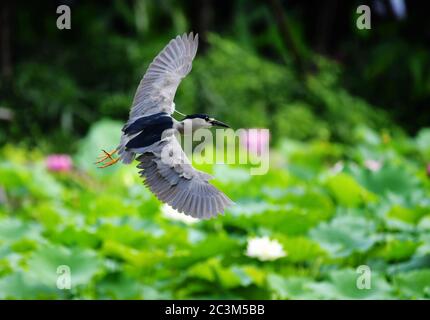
(218,123)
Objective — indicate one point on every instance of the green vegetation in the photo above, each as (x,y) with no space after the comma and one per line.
(329,218)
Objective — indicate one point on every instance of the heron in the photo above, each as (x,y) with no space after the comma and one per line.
(149,136)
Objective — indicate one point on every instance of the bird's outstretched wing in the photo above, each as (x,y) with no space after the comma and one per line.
(158,86)
(168,173)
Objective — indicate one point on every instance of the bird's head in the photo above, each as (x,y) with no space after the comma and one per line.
(200,120)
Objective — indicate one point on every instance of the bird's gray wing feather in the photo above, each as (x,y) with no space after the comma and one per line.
(158,86)
(168,173)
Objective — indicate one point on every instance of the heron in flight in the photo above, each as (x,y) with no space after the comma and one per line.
(149,136)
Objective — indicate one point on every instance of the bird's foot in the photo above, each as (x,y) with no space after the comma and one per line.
(108,164)
(107,155)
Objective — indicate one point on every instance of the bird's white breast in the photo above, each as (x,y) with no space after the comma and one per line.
(172,108)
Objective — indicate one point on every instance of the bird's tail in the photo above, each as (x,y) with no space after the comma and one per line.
(125,155)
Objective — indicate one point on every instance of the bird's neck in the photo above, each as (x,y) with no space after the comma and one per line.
(178,126)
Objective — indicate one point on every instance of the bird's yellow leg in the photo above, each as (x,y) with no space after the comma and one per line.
(106,155)
(108,164)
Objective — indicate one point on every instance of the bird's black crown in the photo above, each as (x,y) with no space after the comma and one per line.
(197,115)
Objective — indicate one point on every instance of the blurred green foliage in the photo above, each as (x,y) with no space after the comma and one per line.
(228,82)
(118,243)
(248,78)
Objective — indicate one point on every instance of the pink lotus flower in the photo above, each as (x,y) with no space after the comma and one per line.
(373,165)
(59,162)
(428,170)
(255,140)
(337,167)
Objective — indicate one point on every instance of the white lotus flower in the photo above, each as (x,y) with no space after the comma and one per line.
(173,214)
(265,249)
(373,165)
